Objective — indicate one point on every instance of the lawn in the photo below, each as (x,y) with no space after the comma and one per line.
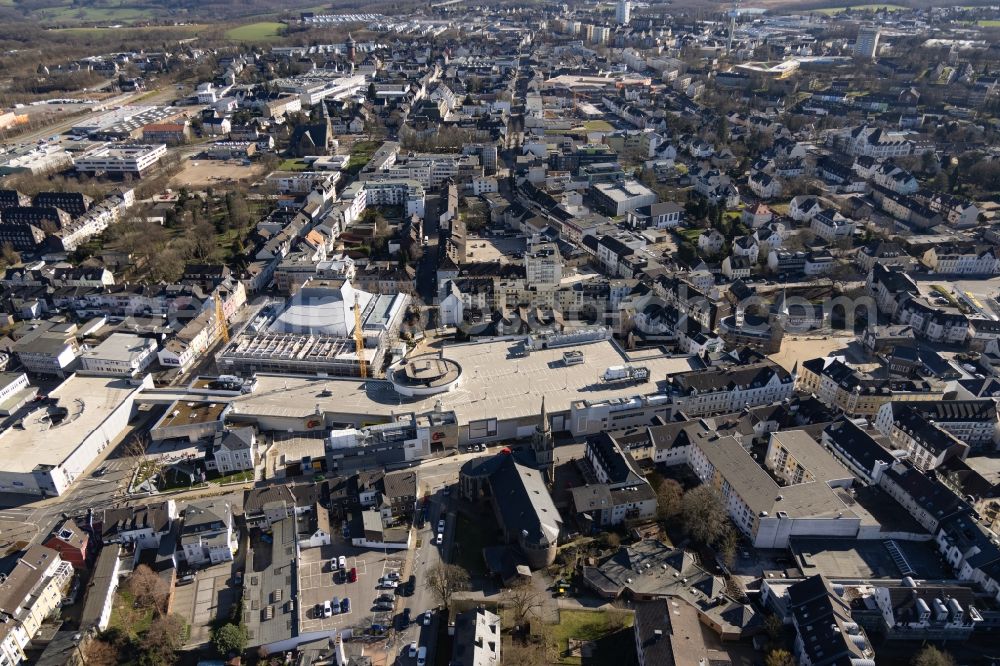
(608,629)
(598,126)
(230,478)
(470,539)
(293,165)
(361,152)
(256,32)
(830,11)
(128,619)
(690,235)
(989,23)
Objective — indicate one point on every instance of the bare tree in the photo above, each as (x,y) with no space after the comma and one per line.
(669,496)
(101,653)
(445,580)
(779,658)
(617,618)
(931,656)
(703,514)
(522,600)
(10,256)
(146,587)
(525,653)
(163,639)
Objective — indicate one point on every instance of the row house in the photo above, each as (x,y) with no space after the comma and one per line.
(962,259)
(928,445)
(721,390)
(854,393)
(892,177)
(924,497)
(29,594)
(931,322)
(974,422)
(956,211)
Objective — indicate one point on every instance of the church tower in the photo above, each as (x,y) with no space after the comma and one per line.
(543,445)
(351,48)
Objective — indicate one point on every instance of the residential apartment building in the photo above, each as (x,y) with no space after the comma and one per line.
(730,389)
(120,355)
(974,422)
(208,535)
(235,450)
(30,593)
(962,259)
(856,393)
(621,493)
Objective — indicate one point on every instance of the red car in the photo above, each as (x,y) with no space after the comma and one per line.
(353,576)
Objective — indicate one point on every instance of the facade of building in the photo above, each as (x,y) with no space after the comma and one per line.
(31,592)
(120,355)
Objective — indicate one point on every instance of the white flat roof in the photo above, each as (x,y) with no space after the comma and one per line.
(88,401)
(496,383)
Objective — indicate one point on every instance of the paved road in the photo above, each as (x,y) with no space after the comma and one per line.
(159,97)
(427,268)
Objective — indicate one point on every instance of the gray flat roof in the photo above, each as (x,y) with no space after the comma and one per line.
(88,402)
(119,347)
(498,381)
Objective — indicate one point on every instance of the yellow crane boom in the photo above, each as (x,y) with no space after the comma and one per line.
(359,339)
(220,316)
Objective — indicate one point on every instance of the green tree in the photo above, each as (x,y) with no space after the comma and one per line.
(229,639)
(931,656)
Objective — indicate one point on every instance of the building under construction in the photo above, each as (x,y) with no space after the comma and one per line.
(315,334)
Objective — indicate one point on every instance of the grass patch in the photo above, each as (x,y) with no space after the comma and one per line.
(598,126)
(293,165)
(988,23)
(256,32)
(236,476)
(475,535)
(361,152)
(830,11)
(128,619)
(607,629)
(690,235)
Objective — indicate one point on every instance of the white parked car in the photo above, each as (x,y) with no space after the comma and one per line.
(413,650)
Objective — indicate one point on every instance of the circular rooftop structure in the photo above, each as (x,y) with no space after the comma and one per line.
(425,375)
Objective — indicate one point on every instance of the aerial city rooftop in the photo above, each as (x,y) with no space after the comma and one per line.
(658,333)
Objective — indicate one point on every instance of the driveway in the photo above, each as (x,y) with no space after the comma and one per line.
(208,597)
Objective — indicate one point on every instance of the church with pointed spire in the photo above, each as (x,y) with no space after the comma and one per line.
(543,446)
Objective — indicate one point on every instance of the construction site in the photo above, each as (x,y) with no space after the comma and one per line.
(326,329)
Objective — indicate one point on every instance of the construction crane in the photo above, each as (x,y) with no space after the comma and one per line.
(359,339)
(733,14)
(220,316)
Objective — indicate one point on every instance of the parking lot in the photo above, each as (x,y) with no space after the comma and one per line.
(208,597)
(320,582)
